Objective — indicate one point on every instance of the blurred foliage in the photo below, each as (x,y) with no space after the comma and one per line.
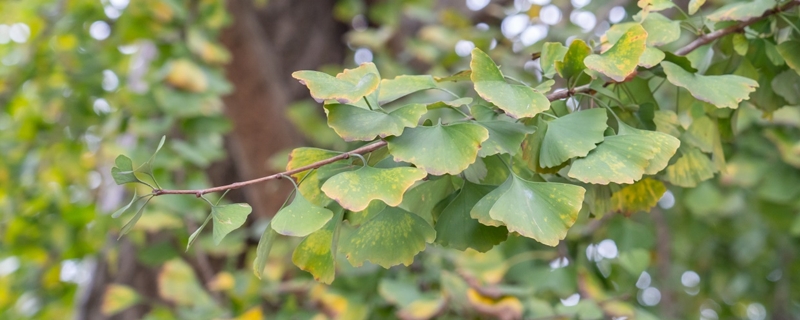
(82,81)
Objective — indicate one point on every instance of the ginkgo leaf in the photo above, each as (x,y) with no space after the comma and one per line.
(504,137)
(227,218)
(123,171)
(177,283)
(702,133)
(620,61)
(532,148)
(262,250)
(518,101)
(695,5)
(573,135)
(424,196)
(663,144)
(640,196)
(315,254)
(480,211)
(439,149)
(723,91)
(655,5)
(118,297)
(691,168)
(392,237)
(660,29)
(619,159)
(393,89)
(551,52)
(300,157)
(300,218)
(543,211)
(651,57)
(354,190)
(450,104)
(572,64)
(347,87)
(788,50)
(741,11)
(354,123)
(457,229)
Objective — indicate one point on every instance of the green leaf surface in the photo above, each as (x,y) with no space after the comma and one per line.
(117,298)
(543,211)
(450,104)
(740,11)
(619,159)
(424,196)
(518,101)
(122,210)
(551,52)
(660,29)
(227,218)
(265,244)
(480,211)
(196,233)
(655,5)
(354,190)
(439,149)
(620,61)
(651,57)
(702,133)
(663,144)
(132,222)
(462,75)
(723,91)
(790,51)
(300,157)
(573,135)
(457,229)
(347,87)
(315,254)
(123,171)
(393,89)
(504,137)
(353,123)
(695,5)
(532,147)
(572,65)
(300,218)
(392,237)
(691,168)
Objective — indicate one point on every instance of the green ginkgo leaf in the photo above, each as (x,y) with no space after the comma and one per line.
(480,211)
(543,211)
(640,196)
(123,171)
(741,11)
(551,52)
(504,137)
(347,87)
(439,149)
(723,91)
(424,196)
(300,218)
(651,57)
(663,144)
(392,237)
(655,5)
(620,61)
(573,135)
(572,64)
(354,190)
(393,89)
(227,218)
(354,123)
(695,5)
(691,168)
(262,250)
(315,254)
(518,101)
(702,133)
(789,51)
(457,229)
(619,159)
(300,157)
(660,29)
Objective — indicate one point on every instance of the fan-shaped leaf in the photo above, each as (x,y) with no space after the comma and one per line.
(620,61)
(347,87)
(695,5)
(300,218)
(619,159)
(504,137)
(543,211)
(724,91)
(392,237)
(315,254)
(660,29)
(123,171)
(393,89)
(457,229)
(663,144)
(300,157)
(354,190)
(741,11)
(789,51)
(518,101)
(691,168)
(354,123)
(572,64)
(655,5)
(424,196)
(640,196)
(439,149)
(551,52)
(227,218)
(573,135)
(118,297)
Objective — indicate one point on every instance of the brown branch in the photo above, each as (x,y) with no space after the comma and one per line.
(556,95)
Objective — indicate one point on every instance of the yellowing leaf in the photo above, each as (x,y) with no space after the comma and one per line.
(518,101)
(392,237)
(254,313)
(620,61)
(506,308)
(347,87)
(640,196)
(724,91)
(572,64)
(184,74)
(695,5)
(118,298)
(177,283)
(354,190)
(691,168)
(315,254)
